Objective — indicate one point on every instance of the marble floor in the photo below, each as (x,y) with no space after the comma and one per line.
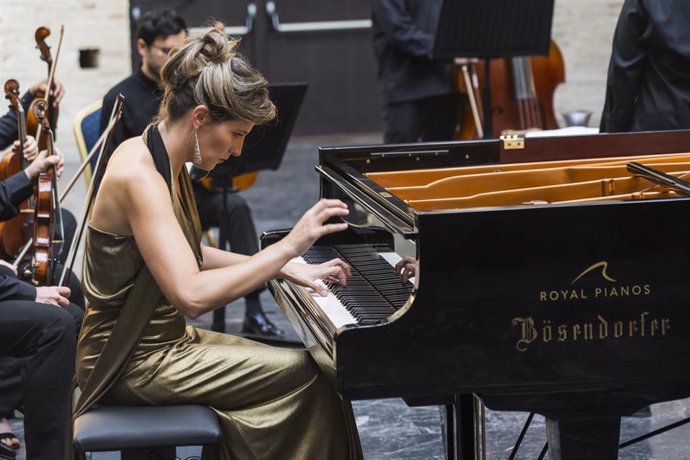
(388,428)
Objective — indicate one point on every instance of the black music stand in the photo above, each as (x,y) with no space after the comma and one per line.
(493,29)
(264,148)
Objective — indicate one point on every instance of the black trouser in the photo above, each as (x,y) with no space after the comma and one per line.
(11,387)
(69,223)
(233,219)
(45,337)
(429,119)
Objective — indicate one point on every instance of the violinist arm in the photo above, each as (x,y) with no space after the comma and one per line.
(8,129)
(18,188)
(13,191)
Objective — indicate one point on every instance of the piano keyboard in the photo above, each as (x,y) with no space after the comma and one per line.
(373,293)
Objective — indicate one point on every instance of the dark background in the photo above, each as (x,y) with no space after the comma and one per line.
(338,65)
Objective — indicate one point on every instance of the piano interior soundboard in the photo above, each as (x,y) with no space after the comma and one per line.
(571,181)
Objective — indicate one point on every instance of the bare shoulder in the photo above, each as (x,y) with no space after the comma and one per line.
(131,180)
(131,169)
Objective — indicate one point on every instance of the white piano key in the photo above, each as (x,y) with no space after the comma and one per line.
(330,305)
(393,258)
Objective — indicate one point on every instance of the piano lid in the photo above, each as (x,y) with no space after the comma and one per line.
(399,181)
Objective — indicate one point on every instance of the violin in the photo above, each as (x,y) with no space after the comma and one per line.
(33,125)
(522,94)
(16,232)
(47,210)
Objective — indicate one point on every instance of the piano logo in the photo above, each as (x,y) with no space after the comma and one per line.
(604,266)
(593,284)
(608,288)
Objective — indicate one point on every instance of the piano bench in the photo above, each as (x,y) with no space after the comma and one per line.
(144,432)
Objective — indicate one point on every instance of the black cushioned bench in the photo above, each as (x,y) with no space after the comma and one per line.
(145,432)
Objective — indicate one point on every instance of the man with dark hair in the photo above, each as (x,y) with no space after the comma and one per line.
(158,32)
(38,335)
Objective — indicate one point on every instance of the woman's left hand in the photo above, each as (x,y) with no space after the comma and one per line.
(334,271)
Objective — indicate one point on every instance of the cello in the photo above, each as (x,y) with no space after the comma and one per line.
(522,94)
(16,231)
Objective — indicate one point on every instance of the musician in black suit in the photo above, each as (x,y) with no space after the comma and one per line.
(648,87)
(38,333)
(418,94)
(159,31)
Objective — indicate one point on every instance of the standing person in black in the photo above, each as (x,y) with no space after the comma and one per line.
(38,330)
(418,95)
(648,87)
(159,31)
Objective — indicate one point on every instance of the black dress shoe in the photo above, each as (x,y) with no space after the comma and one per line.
(259,324)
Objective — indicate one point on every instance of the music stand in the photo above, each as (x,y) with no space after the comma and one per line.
(491,29)
(263,148)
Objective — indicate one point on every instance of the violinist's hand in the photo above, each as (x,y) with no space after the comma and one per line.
(43,162)
(407,267)
(57,93)
(335,271)
(311,226)
(12,267)
(30,148)
(56,295)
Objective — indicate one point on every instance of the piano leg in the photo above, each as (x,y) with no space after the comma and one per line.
(460,428)
(582,439)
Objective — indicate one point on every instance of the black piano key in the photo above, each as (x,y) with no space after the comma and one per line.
(374,291)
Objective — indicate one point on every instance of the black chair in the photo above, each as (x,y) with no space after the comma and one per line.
(144,432)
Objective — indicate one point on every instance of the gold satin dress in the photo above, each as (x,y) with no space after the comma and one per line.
(272,403)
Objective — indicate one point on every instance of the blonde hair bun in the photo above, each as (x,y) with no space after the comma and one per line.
(208,70)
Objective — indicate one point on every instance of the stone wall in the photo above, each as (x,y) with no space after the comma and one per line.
(100,24)
(583,29)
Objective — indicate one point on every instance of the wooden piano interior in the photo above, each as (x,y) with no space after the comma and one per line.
(537,183)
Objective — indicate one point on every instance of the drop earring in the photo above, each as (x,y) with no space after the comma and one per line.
(197,150)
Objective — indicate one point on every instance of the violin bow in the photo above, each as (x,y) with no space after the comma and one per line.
(99,170)
(111,124)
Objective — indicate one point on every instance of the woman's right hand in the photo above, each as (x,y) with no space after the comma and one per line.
(407,268)
(311,226)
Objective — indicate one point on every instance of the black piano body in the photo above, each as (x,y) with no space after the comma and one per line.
(575,310)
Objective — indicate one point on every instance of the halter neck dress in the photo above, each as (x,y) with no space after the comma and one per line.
(135,348)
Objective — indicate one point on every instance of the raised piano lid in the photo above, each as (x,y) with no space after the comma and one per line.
(353,169)
(540,301)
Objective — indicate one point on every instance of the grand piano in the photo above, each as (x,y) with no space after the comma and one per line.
(551,280)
